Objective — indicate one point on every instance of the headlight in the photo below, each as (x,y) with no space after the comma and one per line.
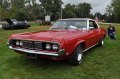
(48,46)
(21,43)
(17,43)
(55,47)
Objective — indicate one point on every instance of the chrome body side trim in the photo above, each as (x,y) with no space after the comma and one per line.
(90,47)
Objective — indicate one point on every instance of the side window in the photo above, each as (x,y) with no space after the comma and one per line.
(92,25)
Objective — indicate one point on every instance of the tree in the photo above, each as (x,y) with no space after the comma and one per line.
(31,10)
(110,14)
(18,4)
(113,11)
(38,11)
(51,7)
(69,11)
(23,9)
(4,6)
(1,2)
(83,10)
(116,9)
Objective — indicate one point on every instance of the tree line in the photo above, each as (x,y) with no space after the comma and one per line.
(33,10)
(113,11)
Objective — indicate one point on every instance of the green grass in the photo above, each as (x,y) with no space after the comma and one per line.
(98,63)
(34,24)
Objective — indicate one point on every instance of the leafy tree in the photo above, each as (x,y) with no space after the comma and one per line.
(51,7)
(0,13)
(1,2)
(18,4)
(22,9)
(113,11)
(30,10)
(91,16)
(116,9)
(4,6)
(69,11)
(38,11)
(109,10)
(110,14)
(21,16)
(83,10)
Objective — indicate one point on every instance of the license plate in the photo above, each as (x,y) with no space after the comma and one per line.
(34,56)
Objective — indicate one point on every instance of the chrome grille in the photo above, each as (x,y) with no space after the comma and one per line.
(25,44)
(38,45)
(32,45)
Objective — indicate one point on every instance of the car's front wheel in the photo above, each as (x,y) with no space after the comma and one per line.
(76,58)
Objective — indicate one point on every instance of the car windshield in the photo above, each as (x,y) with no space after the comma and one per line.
(70,24)
(14,21)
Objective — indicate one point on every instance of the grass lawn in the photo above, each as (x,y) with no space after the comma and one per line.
(98,63)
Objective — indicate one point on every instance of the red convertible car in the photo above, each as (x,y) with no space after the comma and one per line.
(66,39)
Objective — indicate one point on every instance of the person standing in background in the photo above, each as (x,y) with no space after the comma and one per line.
(111,32)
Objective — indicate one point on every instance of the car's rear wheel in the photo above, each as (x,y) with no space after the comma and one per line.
(101,43)
(76,58)
(27,26)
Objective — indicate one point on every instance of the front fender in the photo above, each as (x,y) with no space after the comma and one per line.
(76,44)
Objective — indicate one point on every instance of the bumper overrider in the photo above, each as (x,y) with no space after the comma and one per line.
(61,52)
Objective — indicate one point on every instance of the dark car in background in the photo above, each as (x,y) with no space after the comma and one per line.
(14,24)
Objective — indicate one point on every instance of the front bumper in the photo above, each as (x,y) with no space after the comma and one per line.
(59,53)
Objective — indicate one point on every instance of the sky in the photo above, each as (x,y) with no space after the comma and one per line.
(97,5)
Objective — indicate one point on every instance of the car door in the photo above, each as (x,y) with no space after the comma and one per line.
(93,34)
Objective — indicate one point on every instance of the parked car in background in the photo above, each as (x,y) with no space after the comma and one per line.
(66,39)
(14,24)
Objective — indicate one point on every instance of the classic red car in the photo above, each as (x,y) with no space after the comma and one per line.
(66,39)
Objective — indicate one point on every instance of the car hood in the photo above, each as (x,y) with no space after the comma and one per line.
(50,35)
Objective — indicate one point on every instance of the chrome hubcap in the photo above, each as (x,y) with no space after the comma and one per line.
(102,42)
(79,57)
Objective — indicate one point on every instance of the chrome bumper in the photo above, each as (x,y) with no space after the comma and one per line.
(60,53)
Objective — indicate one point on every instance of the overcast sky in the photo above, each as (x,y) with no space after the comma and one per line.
(97,5)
